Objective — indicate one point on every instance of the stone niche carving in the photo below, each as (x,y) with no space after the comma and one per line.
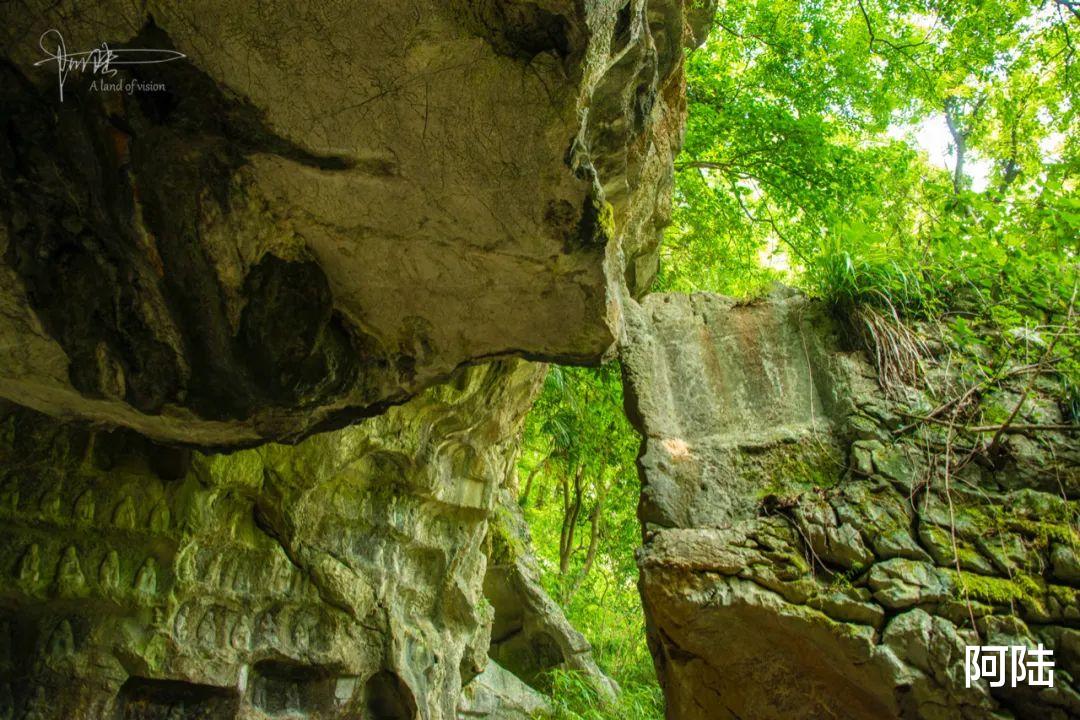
(338,578)
(326,209)
(794,563)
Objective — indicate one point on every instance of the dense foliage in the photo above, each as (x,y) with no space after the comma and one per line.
(579,494)
(802,163)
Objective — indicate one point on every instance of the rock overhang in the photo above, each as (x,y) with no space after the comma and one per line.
(296,234)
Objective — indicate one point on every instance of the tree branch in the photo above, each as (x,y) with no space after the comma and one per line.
(1072,7)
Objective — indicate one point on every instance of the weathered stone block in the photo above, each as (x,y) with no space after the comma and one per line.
(777,589)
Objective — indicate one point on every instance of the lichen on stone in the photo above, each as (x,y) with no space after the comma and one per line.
(877,549)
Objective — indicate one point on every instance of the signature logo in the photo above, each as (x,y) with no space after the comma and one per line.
(100,61)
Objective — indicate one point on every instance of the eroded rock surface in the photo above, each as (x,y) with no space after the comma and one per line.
(326,209)
(797,563)
(342,577)
(498,694)
(530,634)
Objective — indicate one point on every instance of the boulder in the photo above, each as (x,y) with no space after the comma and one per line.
(498,694)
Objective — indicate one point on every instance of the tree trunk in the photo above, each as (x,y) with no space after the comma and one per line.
(959,137)
(523,499)
(571,511)
(960,128)
(595,520)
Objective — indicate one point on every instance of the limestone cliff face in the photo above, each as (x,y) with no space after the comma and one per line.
(358,574)
(342,577)
(326,209)
(799,558)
